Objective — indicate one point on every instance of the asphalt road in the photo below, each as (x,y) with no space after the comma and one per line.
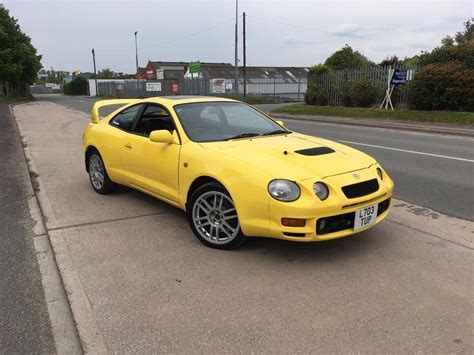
(431,170)
(24,322)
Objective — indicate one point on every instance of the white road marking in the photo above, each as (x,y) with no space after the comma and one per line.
(408,151)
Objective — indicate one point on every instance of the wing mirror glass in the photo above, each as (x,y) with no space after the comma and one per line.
(163,136)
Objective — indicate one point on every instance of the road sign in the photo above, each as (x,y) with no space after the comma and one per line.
(160,74)
(194,67)
(399,77)
(153,86)
(218,86)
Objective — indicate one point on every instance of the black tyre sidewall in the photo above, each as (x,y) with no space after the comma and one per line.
(213,186)
(108,185)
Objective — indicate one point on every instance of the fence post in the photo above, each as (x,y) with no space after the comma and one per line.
(274,88)
(299,83)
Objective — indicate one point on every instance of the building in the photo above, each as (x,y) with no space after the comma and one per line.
(177,70)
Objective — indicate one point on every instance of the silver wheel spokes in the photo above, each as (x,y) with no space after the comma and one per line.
(215,217)
(96,172)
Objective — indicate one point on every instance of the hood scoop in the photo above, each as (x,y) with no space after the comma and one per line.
(315,151)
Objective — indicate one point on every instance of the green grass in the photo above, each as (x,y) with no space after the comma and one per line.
(465,118)
(250,99)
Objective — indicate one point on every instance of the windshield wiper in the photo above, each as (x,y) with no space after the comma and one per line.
(243,135)
(278,131)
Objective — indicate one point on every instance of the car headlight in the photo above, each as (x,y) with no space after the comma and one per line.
(321,190)
(380,173)
(284,190)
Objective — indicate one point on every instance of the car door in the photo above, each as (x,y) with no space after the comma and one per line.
(112,142)
(152,167)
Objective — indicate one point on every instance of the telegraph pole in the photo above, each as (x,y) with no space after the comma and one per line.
(136,55)
(95,73)
(245,58)
(236,75)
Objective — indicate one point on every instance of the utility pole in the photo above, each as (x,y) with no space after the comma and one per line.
(136,55)
(95,74)
(236,75)
(245,58)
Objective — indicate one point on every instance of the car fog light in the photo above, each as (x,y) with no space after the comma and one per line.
(293,222)
(321,190)
(379,172)
(321,225)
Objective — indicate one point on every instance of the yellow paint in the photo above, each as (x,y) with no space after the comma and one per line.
(243,166)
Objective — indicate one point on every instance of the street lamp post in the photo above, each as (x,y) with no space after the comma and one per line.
(136,56)
(95,73)
(236,75)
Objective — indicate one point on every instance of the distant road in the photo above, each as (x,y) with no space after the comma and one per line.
(430,170)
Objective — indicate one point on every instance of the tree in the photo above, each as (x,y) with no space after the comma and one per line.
(459,48)
(319,69)
(19,62)
(106,74)
(392,61)
(446,79)
(347,58)
(78,86)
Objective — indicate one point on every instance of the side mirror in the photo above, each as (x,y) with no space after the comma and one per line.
(162,136)
(281,123)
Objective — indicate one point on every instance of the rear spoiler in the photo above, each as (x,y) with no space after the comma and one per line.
(95,118)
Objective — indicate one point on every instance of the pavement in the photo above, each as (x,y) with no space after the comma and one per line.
(24,321)
(138,281)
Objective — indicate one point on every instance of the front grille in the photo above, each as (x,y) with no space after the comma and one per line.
(361,188)
(344,221)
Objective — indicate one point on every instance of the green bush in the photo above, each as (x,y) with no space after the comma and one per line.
(316,95)
(362,93)
(346,98)
(318,69)
(442,86)
(78,86)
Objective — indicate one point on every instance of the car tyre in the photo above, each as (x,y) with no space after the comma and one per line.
(213,217)
(98,176)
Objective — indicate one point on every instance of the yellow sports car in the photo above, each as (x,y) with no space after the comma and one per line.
(235,171)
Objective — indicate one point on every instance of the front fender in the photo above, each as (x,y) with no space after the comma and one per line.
(246,185)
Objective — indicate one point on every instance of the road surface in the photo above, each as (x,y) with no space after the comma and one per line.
(24,323)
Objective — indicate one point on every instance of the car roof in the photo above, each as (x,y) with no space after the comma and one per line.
(186,99)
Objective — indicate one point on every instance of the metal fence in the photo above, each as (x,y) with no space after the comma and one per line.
(277,88)
(337,83)
(14,90)
(43,89)
(272,90)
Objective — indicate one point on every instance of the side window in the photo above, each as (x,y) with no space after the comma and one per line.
(154,118)
(124,119)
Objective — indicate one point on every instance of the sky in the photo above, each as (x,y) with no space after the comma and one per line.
(279,33)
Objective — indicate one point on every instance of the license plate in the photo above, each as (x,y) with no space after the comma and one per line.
(365,217)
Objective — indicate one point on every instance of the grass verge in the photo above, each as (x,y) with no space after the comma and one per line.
(465,118)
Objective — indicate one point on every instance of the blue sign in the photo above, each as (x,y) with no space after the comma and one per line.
(399,77)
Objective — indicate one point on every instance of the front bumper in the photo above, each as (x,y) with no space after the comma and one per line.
(338,212)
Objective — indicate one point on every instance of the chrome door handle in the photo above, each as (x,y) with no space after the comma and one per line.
(127,146)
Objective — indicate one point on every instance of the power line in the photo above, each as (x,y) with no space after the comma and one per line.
(193,34)
(304,28)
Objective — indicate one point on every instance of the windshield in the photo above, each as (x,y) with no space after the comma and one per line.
(219,121)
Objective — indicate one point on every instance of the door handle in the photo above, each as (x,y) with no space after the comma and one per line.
(127,146)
